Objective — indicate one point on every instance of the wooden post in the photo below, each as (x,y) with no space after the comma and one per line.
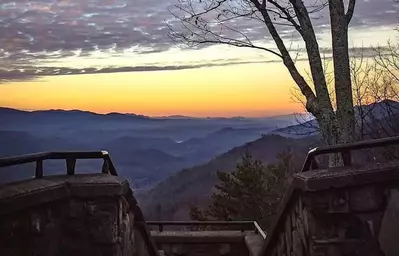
(39,169)
(105,169)
(71,163)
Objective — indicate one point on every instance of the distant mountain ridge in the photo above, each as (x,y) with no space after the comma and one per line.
(6,110)
(375,111)
(10,112)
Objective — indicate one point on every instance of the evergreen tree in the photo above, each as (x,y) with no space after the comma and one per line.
(252,192)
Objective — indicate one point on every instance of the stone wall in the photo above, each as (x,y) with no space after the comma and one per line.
(203,243)
(292,238)
(204,249)
(334,212)
(67,215)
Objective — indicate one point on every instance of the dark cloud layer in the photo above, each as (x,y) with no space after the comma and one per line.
(23,74)
(29,74)
(48,25)
(32,31)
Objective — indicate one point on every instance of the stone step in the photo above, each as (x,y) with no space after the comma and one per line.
(336,241)
(345,246)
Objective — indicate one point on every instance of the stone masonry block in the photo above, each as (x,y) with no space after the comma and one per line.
(366,199)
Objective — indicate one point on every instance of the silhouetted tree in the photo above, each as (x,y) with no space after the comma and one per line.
(218,22)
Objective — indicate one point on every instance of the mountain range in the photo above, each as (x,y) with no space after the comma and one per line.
(145,149)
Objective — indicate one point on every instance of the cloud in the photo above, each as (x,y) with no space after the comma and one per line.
(32,27)
(30,74)
(24,74)
(36,34)
(81,24)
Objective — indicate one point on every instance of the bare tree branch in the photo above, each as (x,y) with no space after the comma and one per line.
(199,29)
(313,51)
(288,62)
(288,16)
(350,11)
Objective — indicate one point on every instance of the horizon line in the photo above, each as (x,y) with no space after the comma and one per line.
(157,116)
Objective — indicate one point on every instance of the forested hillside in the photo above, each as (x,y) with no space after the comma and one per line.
(171,198)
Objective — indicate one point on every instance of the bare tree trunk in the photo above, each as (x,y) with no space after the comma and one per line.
(324,113)
(343,85)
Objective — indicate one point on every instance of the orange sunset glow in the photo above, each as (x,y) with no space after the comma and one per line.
(217,91)
(154,78)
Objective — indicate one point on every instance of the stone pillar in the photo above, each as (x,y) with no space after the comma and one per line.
(335,212)
(67,215)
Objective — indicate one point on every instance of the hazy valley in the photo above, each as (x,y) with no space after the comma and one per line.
(146,150)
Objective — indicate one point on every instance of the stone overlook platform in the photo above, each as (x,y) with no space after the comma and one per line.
(349,210)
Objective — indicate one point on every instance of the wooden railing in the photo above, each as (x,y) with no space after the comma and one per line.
(311,163)
(241,225)
(69,157)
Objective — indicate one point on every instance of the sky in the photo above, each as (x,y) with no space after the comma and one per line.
(117,56)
